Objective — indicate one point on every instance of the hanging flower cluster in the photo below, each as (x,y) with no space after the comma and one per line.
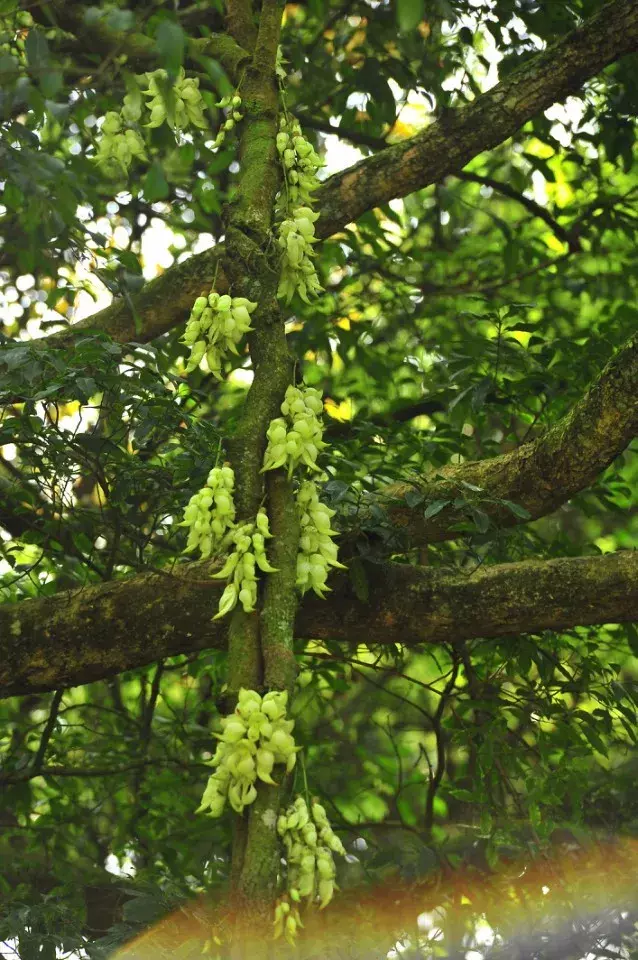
(122,143)
(300,160)
(309,843)
(317,551)
(295,438)
(210,513)
(298,272)
(233,105)
(254,738)
(296,232)
(215,327)
(249,540)
(287,920)
(118,146)
(210,516)
(181,108)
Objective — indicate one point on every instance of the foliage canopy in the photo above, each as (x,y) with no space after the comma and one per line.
(466,693)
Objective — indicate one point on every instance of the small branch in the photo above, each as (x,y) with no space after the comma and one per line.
(96,771)
(353,136)
(38,760)
(437,777)
(96,37)
(536,210)
(161,304)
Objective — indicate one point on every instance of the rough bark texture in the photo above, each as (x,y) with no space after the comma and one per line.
(253,272)
(444,148)
(447,145)
(97,38)
(161,304)
(78,637)
(280,595)
(545,473)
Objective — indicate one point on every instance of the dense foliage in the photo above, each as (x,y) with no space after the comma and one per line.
(453,324)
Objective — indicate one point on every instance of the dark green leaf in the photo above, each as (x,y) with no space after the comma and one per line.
(154,185)
(37,49)
(409,14)
(170,42)
(435,507)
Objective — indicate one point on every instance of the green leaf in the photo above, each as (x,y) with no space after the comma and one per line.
(170,42)
(335,490)
(460,794)
(632,638)
(120,20)
(413,498)
(154,185)
(51,82)
(516,509)
(87,386)
(409,14)
(481,520)
(36,48)
(435,507)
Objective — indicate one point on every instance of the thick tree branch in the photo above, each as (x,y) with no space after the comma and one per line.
(545,473)
(379,143)
(93,633)
(161,304)
(447,145)
(94,36)
(440,150)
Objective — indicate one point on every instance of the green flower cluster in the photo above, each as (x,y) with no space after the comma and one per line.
(181,108)
(233,105)
(249,540)
(317,552)
(298,272)
(309,842)
(118,147)
(215,326)
(296,232)
(254,738)
(296,437)
(210,513)
(210,516)
(293,440)
(300,160)
(287,920)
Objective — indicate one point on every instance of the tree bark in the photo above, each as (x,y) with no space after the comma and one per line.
(442,149)
(161,305)
(96,632)
(447,145)
(543,474)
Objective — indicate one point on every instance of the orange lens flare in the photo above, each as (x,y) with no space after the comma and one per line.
(562,895)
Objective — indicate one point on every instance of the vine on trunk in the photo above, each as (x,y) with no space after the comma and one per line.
(230,517)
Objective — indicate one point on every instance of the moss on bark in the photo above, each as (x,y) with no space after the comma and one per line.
(89,634)
(447,145)
(543,474)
